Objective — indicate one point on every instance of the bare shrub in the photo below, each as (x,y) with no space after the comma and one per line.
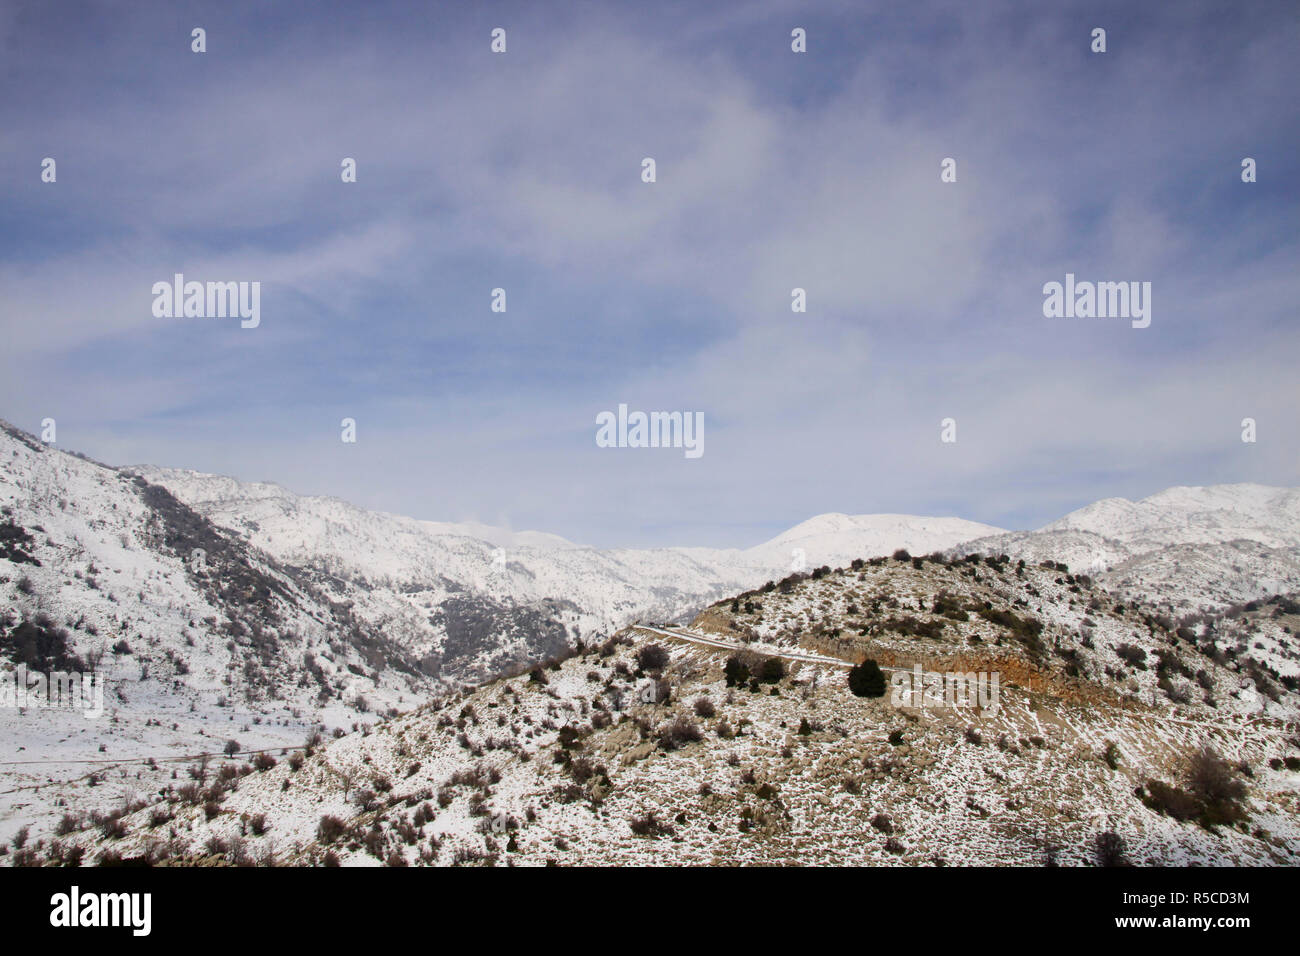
(1214,781)
(1108,848)
(652,657)
(330,829)
(679,733)
(650,825)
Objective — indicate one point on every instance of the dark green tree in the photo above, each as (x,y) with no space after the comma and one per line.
(771,670)
(736,672)
(867,680)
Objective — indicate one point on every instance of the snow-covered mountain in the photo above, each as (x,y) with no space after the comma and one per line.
(317,579)
(755,748)
(836,539)
(215,609)
(1210,515)
(1188,547)
(221,613)
(456,592)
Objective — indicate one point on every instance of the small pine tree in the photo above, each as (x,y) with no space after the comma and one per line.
(867,680)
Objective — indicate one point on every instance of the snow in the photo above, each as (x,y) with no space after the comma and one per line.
(429,588)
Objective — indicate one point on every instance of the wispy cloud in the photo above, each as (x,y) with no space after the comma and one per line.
(776,171)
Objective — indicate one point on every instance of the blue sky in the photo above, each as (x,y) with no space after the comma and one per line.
(775,170)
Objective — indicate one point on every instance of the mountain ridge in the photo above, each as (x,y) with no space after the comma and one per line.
(308,612)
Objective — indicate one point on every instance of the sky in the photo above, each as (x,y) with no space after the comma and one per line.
(775,170)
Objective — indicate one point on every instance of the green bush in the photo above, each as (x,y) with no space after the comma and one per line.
(736,671)
(771,670)
(867,680)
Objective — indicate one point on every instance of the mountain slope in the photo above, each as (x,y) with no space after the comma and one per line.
(402,574)
(1188,548)
(188,654)
(304,613)
(307,614)
(1193,515)
(647,750)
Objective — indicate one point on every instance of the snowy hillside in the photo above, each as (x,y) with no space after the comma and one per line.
(219,616)
(303,612)
(739,741)
(1188,548)
(419,580)
(1182,515)
(836,539)
(100,578)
